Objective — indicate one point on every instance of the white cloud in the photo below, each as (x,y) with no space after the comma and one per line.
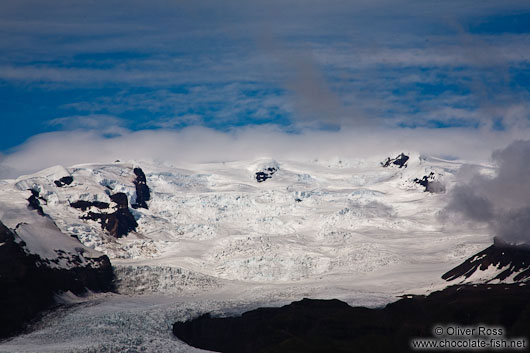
(90,122)
(197,144)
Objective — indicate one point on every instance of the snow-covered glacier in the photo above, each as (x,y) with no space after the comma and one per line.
(228,237)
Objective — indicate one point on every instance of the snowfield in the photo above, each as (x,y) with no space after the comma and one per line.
(216,239)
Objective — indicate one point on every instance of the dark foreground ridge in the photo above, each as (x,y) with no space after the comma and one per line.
(510,260)
(28,284)
(333,326)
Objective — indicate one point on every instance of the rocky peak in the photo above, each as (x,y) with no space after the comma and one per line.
(400,161)
(502,261)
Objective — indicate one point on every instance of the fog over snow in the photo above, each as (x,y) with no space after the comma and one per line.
(202,145)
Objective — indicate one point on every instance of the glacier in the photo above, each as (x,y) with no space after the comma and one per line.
(214,239)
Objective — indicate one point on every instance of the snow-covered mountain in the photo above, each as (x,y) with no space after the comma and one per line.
(499,263)
(37,261)
(254,220)
(256,231)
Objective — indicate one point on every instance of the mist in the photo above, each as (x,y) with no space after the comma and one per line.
(201,145)
(501,201)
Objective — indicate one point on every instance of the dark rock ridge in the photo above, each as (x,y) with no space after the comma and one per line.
(66,180)
(34,202)
(28,284)
(265,174)
(120,222)
(326,326)
(430,183)
(507,258)
(401,161)
(143,193)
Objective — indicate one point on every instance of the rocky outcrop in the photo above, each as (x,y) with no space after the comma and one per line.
(333,326)
(66,180)
(430,183)
(502,261)
(143,193)
(85,205)
(120,222)
(400,161)
(265,174)
(34,202)
(28,282)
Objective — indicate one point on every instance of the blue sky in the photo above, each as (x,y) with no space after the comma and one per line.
(111,67)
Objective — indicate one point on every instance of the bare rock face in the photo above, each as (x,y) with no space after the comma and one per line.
(143,193)
(502,260)
(34,202)
(66,180)
(28,282)
(430,183)
(118,223)
(85,205)
(400,161)
(265,174)
(117,220)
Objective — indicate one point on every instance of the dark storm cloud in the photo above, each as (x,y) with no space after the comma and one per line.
(501,201)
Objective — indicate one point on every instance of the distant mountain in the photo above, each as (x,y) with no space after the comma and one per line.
(499,263)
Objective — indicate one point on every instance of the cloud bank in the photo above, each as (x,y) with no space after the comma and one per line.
(200,145)
(288,63)
(502,201)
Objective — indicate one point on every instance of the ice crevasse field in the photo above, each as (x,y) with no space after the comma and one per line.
(216,239)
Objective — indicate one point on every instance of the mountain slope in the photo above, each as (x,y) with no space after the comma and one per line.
(499,263)
(338,218)
(36,263)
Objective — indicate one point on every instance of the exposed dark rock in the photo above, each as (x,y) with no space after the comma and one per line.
(430,183)
(121,200)
(34,202)
(143,193)
(509,259)
(85,205)
(28,285)
(66,180)
(333,326)
(265,174)
(400,161)
(118,223)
